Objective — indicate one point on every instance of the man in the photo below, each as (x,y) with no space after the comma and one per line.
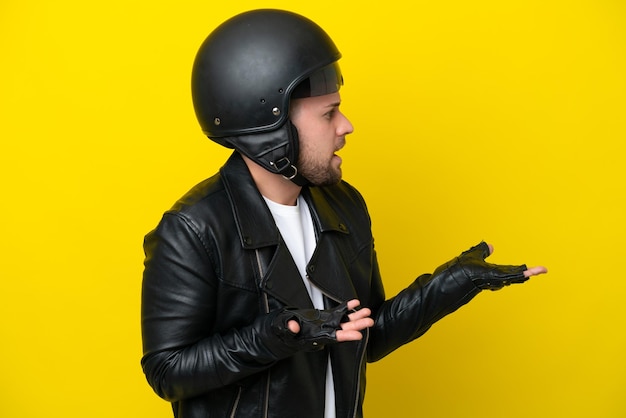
(254,279)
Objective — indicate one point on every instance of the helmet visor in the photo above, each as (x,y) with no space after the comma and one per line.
(326,80)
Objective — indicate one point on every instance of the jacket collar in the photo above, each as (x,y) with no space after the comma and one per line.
(255,223)
(257,229)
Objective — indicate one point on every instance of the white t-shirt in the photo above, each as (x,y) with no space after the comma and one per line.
(296,228)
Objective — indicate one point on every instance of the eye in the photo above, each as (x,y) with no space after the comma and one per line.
(330,113)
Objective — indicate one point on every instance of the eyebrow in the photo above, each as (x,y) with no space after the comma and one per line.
(334,104)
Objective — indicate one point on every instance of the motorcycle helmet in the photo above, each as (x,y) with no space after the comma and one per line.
(245,74)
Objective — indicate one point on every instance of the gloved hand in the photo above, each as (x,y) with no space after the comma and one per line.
(317,327)
(472,264)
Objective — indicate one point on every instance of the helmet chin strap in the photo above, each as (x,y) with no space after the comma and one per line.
(299,179)
(276,151)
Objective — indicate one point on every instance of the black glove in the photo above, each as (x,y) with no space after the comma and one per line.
(317,327)
(472,264)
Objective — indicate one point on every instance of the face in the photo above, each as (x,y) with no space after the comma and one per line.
(322,129)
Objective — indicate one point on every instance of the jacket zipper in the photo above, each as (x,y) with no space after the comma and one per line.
(266,401)
(236,404)
(363,350)
(358,376)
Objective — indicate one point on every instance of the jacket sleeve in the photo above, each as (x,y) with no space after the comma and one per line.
(414,310)
(181,357)
(406,316)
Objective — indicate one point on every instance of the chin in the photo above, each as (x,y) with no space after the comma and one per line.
(329,180)
(328,175)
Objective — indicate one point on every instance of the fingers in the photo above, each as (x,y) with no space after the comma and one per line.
(535,271)
(361,313)
(358,319)
(343,336)
(351,331)
(357,324)
(352,304)
(293,326)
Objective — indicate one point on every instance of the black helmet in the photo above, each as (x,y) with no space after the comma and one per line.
(245,74)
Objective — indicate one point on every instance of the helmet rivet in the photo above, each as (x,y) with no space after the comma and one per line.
(276,111)
(217,121)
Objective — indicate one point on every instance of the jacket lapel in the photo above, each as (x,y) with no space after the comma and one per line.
(282,280)
(257,231)
(328,267)
(329,271)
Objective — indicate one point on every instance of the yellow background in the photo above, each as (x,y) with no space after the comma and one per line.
(494,120)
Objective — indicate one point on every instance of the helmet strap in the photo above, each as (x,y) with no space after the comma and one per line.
(276,151)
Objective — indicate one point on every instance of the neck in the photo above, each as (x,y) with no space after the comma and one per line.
(273,186)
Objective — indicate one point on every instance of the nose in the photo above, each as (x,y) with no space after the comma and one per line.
(345,126)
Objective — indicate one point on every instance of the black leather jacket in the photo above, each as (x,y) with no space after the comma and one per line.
(216,270)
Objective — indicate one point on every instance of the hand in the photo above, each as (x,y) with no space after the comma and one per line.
(311,329)
(533,271)
(350,330)
(472,265)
